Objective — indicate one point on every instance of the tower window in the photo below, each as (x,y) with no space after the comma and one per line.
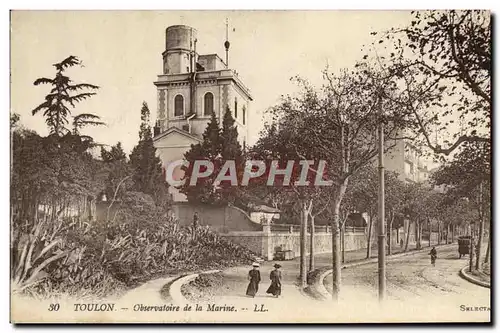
(244,114)
(235,108)
(178,105)
(208,104)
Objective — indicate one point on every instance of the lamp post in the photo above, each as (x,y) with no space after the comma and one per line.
(381,210)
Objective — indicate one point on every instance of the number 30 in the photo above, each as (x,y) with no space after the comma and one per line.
(54,307)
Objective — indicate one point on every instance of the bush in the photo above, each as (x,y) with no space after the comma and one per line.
(80,258)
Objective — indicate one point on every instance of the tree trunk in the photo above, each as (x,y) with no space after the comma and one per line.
(417,234)
(417,228)
(303,240)
(408,235)
(311,246)
(342,238)
(336,262)
(488,249)
(420,231)
(369,238)
(84,210)
(439,233)
(115,195)
(471,249)
(481,227)
(389,247)
(430,230)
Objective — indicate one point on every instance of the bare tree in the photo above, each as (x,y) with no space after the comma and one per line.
(336,123)
(443,59)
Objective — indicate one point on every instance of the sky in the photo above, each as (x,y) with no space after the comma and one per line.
(121,53)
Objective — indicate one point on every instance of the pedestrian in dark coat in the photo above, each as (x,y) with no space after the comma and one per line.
(433,254)
(275,276)
(254,277)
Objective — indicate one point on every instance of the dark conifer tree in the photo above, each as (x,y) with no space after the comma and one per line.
(230,151)
(209,149)
(146,166)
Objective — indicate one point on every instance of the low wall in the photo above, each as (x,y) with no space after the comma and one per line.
(322,242)
(254,241)
(354,241)
(266,243)
(222,219)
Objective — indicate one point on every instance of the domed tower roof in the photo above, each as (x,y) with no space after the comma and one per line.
(180,37)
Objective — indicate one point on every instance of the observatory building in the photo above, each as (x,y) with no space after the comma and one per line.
(191,87)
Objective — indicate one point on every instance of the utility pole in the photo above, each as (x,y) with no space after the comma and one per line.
(381,210)
(303,240)
(311,244)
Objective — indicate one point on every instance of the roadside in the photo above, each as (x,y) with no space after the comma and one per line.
(232,282)
(411,278)
(481,277)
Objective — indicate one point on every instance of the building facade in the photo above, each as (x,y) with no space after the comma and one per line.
(191,87)
(408,161)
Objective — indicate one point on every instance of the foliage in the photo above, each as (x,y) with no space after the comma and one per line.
(470,167)
(336,123)
(230,151)
(210,150)
(63,96)
(363,190)
(14,120)
(219,145)
(118,173)
(147,170)
(85,119)
(467,176)
(50,171)
(73,257)
(443,61)
(458,213)
(58,171)
(57,243)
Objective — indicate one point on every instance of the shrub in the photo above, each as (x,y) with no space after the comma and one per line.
(77,258)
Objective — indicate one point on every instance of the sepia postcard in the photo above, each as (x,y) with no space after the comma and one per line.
(250,166)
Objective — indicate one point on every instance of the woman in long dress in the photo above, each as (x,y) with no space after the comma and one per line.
(275,276)
(254,277)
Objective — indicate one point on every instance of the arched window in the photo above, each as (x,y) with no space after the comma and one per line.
(244,114)
(178,105)
(208,104)
(235,108)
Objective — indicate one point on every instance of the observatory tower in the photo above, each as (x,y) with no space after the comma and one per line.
(191,87)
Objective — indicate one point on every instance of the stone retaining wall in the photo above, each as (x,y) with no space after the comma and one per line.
(266,243)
